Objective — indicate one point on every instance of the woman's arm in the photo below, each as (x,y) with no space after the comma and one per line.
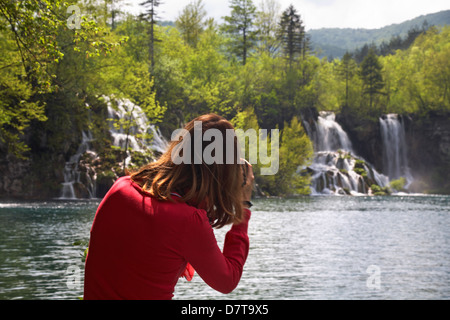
(220,270)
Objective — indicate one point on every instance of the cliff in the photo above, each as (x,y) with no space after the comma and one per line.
(427,147)
(428,140)
(42,176)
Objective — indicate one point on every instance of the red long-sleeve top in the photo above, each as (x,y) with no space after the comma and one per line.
(140,246)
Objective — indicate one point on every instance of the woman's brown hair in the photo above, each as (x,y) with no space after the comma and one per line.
(215,187)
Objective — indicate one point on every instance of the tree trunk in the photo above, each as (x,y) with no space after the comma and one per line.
(245,48)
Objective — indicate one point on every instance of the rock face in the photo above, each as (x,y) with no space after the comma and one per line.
(12,173)
(427,148)
(429,152)
(82,177)
(81,164)
(337,168)
(365,136)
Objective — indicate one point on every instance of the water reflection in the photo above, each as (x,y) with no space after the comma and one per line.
(37,247)
(308,248)
(321,248)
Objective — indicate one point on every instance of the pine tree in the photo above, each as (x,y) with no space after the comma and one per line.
(267,26)
(292,34)
(150,15)
(346,70)
(240,26)
(114,11)
(371,76)
(190,22)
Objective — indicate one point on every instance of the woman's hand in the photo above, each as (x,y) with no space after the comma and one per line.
(249,180)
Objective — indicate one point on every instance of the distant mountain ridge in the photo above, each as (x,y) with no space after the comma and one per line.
(335,42)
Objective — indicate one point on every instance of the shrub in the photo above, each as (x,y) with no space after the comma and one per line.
(399,184)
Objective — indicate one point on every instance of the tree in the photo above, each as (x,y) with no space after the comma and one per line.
(346,70)
(295,152)
(114,9)
(363,52)
(36,38)
(292,34)
(134,114)
(267,25)
(150,15)
(240,26)
(190,22)
(371,76)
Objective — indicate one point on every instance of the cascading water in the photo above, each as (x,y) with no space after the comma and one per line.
(139,128)
(395,158)
(72,174)
(140,137)
(335,168)
(330,135)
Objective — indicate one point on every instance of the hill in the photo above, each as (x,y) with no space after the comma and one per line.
(334,42)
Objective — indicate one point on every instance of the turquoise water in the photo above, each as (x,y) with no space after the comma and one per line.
(310,248)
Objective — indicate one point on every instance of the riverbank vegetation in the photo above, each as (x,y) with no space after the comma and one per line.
(256,69)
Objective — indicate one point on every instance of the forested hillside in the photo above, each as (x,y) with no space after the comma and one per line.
(56,72)
(334,42)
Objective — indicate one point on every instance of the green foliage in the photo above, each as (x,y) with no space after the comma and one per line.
(52,78)
(380,191)
(346,70)
(247,121)
(41,52)
(329,89)
(399,184)
(150,15)
(239,25)
(17,107)
(418,79)
(335,42)
(295,153)
(190,22)
(415,80)
(85,245)
(360,164)
(266,23)
(371,76)
(292,34)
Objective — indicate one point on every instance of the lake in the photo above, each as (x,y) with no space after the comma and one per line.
(309,248)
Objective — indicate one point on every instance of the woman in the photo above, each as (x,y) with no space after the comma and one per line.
(156,225)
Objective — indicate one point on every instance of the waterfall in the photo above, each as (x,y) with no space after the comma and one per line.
(395,159)
(138,137)
(72,174)
(142,136)
(330,135)
(335,168)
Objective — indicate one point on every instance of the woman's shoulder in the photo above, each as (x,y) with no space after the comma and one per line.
(176,208)
(122,183)
(182,208)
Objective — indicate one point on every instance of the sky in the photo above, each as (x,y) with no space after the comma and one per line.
(318,14)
